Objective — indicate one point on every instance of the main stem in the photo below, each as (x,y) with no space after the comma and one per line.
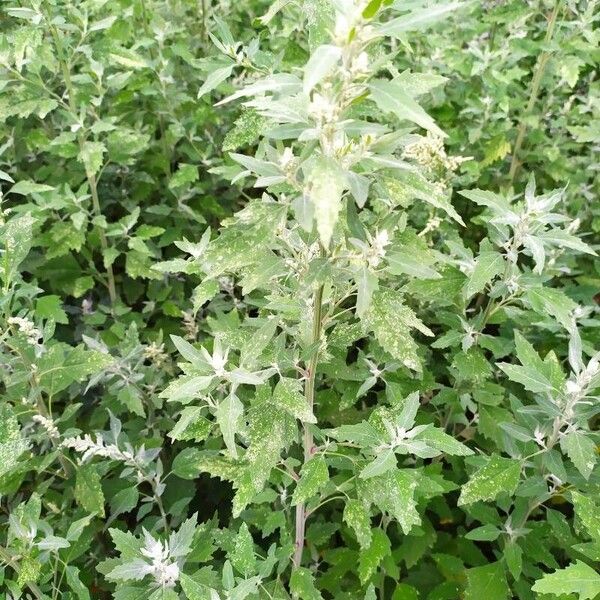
(309,394)
(534,92)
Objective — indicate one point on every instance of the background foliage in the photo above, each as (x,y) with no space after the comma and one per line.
(299,299)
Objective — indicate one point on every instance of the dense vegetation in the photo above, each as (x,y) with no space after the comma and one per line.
(299,299)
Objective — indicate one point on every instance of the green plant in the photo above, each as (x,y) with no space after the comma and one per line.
(355,383)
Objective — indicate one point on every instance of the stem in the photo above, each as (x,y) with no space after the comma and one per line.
(309,394)
(534,91)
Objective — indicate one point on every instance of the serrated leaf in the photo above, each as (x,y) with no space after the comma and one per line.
(357,517)
(313,476)
(496,476)
(487,266)
(228,415)
(88,491)
(288,396)
(578,578)
(581,449)
(369,558)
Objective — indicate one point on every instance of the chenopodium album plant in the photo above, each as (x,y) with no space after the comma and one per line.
(319,382)
(400,413)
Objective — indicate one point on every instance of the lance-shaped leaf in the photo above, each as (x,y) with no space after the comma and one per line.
(391,97)
(320,64)
(229,414)
(418,19)
(326,185)
(496,476)
(581,449)
(358,518)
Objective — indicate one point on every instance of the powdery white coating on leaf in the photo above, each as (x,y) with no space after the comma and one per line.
(496,476)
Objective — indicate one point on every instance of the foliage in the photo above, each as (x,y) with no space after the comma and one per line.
(299,300)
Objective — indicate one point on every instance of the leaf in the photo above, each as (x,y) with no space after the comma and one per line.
(391,97)
(288,396)
(418,19)
(588,513)
(61,366)
(551,301)
(302,585)
(440,440)
(75,583)
(184,175)
(16,236)
(88,491)
(242,557)
(91,156)
(214,79)
(496,476)
(414,185)
(530,378)
(394,493)
(313,476)
(384,462)
(29,187)
(228,415)
(49,307)
(487,581)
(487,266)
(319,65)
(12,444)
(578,578)
(370,558)
(391,322)
(581,449)
(326,184)
(357,517)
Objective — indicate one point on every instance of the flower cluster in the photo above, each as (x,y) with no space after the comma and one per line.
(27,328)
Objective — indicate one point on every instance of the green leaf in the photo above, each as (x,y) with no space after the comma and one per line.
(75,583)
(487,581)
(302,585)
(313,476)
(391,322)
(12,444)
(578,578)
(581,449)
(88,491)
(326,185)
(229,418)
(358,518)
(61,366)
(496,476)
(16,237)
(91,156)
(242,556)
(29,187)
(487,266)
(185,175)
(418,19)
(532,379)
(49,307)
(391,97)
(588,513)
(370,558)
(288,396)
(319,65)
(440,440)
(551,301)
